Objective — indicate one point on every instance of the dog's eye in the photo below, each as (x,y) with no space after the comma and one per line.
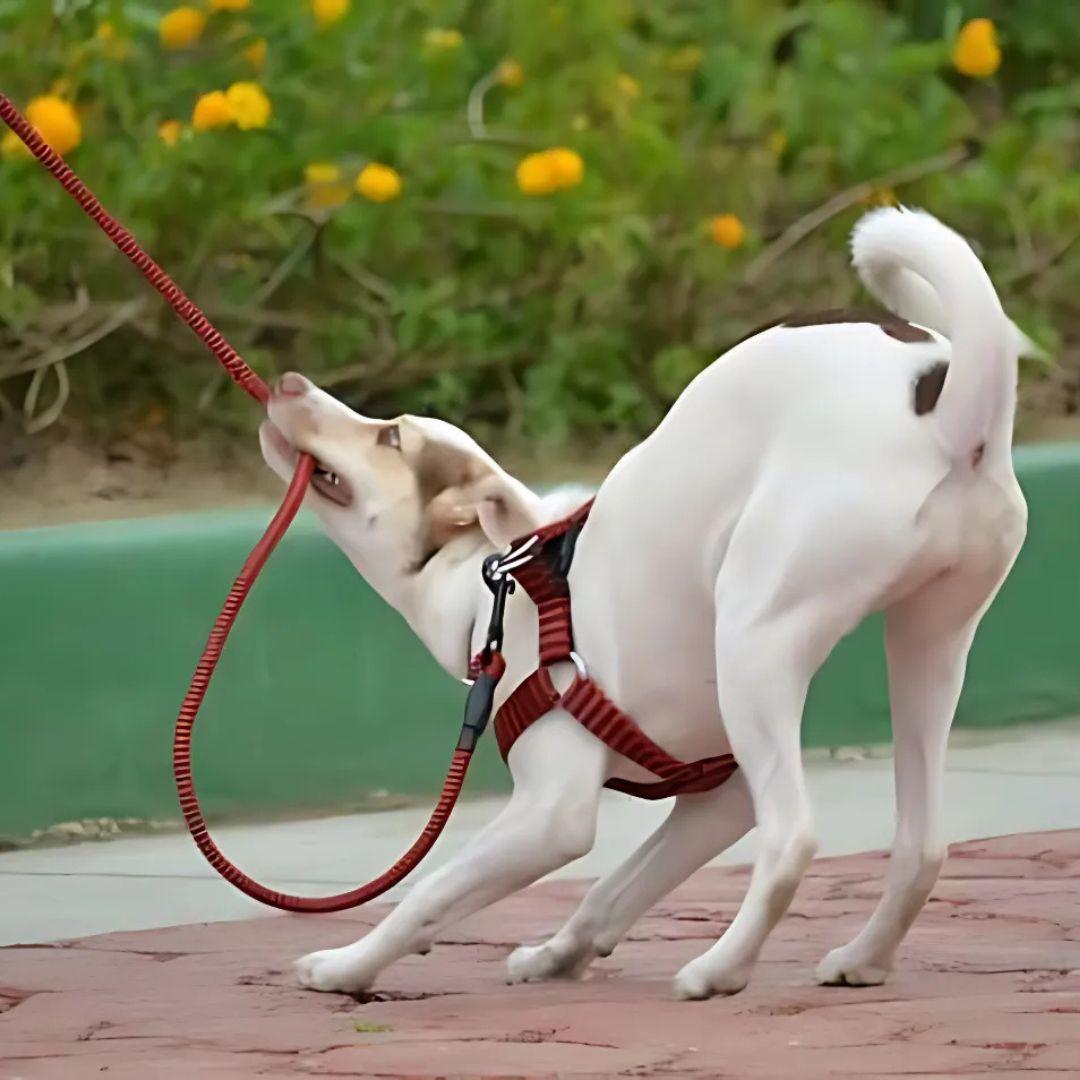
(389,436)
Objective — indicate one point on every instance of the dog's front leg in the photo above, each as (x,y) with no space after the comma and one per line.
(698,828)
(549,821)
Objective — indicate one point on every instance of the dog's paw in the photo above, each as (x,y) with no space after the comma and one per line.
(700,979)
(534,963)
(333,970)
(847,966)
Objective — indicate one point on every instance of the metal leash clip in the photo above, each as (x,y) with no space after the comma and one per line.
(496,570)
(478,706)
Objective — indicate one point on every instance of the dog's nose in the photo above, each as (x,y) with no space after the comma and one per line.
(292,384)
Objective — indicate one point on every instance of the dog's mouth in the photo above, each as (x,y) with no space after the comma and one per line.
(325,482)
(330,485)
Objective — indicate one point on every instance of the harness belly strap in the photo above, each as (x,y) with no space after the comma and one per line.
(544,578)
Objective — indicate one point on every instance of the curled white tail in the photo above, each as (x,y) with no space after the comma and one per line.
(926,273)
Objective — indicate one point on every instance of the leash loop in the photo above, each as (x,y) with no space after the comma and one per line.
(248,380)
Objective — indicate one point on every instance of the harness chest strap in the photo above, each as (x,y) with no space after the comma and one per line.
(544,578)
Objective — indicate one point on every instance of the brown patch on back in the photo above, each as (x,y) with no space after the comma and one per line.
(928,387)
(893,325)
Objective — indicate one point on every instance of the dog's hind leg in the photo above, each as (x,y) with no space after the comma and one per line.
(927,638)
(783,598)
(698,828)
(550,821)
(762,681)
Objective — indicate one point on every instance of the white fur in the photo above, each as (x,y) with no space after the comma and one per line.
(790,491)
(899,253)
(903,291)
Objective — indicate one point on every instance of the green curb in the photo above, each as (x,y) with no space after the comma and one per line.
(324,696)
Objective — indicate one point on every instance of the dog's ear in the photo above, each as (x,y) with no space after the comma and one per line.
(461,491)
(505,509)
(498,504)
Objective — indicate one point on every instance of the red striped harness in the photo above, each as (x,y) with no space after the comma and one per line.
(540,565)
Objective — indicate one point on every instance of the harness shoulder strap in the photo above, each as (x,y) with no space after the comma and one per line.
(543,576)
(597,713)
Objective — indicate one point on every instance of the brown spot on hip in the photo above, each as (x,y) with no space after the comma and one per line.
(928,387)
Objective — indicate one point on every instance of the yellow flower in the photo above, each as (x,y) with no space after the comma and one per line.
(328,12)
(777,142)
(321,172)
(976,52)
(510,74)
(211,111)
(379,183)
(12,146)
(325,188)
(727,230)
(229,5)
(169,132)
(536,174)
(568,166)
(112,45)
(686,59)
(443,40)
(249,105)
(549,171)
(255,53)
(181,27)
(56,121)
(628,86)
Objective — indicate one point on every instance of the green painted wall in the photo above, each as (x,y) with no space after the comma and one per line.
(1025,664)
(323,695)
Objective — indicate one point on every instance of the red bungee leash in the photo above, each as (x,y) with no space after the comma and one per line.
(478,706)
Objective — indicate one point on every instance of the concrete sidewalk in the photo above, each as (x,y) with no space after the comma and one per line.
(1012,780)
(988,982)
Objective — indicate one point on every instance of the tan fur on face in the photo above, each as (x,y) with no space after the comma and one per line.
(421,486)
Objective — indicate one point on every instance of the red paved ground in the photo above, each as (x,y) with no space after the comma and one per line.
(989,982)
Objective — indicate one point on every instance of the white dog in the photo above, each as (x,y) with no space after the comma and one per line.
(821,470)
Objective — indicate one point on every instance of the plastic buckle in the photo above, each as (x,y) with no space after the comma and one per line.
(478,706)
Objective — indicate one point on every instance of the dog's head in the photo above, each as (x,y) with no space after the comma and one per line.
(392,494)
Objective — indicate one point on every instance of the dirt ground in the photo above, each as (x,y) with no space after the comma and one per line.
(71,480)
(66,480)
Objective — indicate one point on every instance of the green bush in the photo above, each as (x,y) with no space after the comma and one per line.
(578,313)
